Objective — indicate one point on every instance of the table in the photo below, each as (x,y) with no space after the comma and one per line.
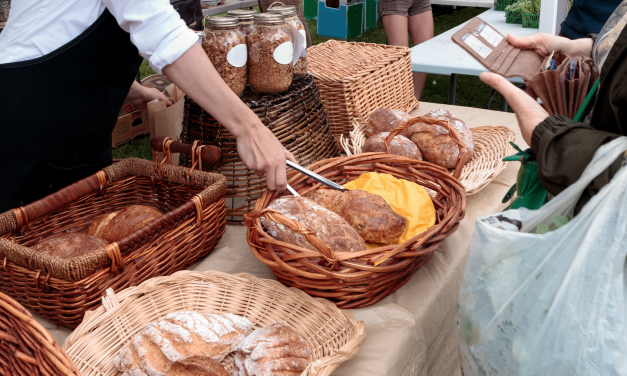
(229,5)
(414,330)
(441,55)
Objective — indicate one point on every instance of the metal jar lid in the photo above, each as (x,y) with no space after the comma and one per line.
(242,14)
(275,18)
(222,21)
(286,10)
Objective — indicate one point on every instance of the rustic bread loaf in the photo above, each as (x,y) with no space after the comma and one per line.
(400,145)
(434,141)
(197,366)
(99,224)
(179,336)
(69,244)
(369,214)
(329,227)
(386,119)
(115,225)
(274,350)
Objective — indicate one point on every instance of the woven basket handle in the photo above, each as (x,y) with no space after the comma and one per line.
(210,153)
(453,134)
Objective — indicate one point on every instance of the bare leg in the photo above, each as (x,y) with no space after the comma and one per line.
(396,30)
(421,30)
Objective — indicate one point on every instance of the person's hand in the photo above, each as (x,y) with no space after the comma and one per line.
(528,111)
(260,151)
(139,96)
(544,44)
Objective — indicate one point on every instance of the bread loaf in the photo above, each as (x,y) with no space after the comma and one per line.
(69,244)
(99,224)
(197,366)
(369,214)
(274,350)
(115,225)
(386,119)
(434,141)
(400,145)
(329,227)
(179,336)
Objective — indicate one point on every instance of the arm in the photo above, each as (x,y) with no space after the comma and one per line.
(544,44)
(139,96)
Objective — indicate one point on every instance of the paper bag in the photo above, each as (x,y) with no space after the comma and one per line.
(167,121)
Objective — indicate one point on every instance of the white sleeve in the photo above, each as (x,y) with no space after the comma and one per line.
(156,29)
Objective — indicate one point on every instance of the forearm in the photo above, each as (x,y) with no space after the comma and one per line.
(580,47)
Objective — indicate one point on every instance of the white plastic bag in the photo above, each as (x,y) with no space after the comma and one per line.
(552,304)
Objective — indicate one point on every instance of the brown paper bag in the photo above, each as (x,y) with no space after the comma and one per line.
(167,121)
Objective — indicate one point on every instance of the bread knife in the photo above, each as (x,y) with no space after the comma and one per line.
(292,191)
(315,176)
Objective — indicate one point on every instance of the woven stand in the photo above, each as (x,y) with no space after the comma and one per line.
(333,336)
(296,117)
(61,290)
(357,78)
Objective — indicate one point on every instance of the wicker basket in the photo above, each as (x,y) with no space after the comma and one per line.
(334,336)
(61,290)
(26,348)
(359,279)
(357,78)
(296,117)
(491,146)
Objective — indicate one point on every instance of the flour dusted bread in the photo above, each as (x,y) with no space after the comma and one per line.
(179,336)
(373,218)
(197,366)
(400,145)
(386,119)
(115,225)
(274,350)
(329,227)
(69,244)
(434,141)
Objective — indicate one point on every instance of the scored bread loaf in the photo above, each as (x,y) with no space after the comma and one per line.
(369,214)
(69,244)
(329,227)
(197,366)
(115,225)
(400,145)
(274,350)
(434,141)
(386,119)
(179,336)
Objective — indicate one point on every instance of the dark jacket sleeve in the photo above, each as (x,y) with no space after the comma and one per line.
(564,148)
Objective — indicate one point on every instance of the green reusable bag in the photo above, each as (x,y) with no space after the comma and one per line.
(531,193)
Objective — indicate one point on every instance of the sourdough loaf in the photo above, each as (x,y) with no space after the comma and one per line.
(384,120)
(400,145)
(274,350)
(369,214)
(115,225)
(197,366)
(69,244)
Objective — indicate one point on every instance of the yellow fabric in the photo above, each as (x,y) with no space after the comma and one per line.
(406,198)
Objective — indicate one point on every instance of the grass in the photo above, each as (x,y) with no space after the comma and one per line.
(471,92)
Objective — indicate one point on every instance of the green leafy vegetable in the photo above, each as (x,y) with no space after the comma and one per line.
(542,229)
(560,220)
(525,6)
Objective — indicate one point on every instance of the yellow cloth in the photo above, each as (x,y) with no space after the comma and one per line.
(406,198)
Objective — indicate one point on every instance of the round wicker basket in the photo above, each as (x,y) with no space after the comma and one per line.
(26,348)
(333,335)
(359,279)
(296,117)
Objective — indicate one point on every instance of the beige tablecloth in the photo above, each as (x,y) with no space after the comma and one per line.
(413,331)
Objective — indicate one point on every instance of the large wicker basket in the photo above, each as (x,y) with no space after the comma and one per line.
(359,279)
(333,335)
(26,348)
(357,78)
(296,117)
(61,290)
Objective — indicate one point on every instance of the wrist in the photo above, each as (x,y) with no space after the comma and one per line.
(244,124)
(581,47)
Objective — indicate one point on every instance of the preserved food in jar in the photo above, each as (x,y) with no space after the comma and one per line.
(291,17)
(226,47)
(245,17)
(270,53)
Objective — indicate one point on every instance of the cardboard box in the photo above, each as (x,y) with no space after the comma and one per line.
(129,127)
(310,9)
(345,21)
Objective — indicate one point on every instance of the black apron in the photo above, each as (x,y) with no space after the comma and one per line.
(57,112)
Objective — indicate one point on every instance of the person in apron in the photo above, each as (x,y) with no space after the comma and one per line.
(66,67)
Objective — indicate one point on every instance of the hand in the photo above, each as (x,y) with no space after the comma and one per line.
(139,96)
(544,44)
(528,112)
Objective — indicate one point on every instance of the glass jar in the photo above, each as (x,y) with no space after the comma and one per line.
(245,17)
(291,17)
(225,46)
(270,53)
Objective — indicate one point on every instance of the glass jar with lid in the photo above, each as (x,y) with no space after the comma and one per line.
(225,46)
(246,19)
(291,17)
(270,53)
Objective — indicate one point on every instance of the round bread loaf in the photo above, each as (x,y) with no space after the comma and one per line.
(434,141)
(69,244)
(400,145)
(100,223)
(386,119)
(197,366)
(179,336)
(114,226)
(274,350)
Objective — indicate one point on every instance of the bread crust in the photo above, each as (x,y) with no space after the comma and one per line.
(197,366)
(69,244)
(127,221)
(400,145)
(386,119)
(100,223)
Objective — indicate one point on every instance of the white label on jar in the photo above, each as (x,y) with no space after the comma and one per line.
(237,56)
(284,53)
(302,32)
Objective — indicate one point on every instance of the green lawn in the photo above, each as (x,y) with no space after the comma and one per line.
(470,91)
